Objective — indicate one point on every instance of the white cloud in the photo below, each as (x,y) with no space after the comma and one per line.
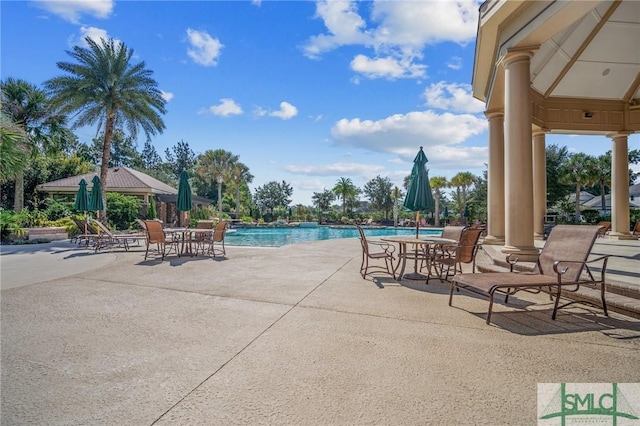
(455,63)
(226,108)
(72,10)
(388,67)
(402,134)
(94,33)
(398,31)
(454,97)
(204,49)
(286,111)
(335,169)
(167,96)
(344,24)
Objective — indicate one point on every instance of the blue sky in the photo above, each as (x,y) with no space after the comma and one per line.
(302,91)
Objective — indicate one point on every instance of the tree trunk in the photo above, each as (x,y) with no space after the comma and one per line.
(18,198)
(104,167)
(437,220)
(237,200)
(577,211)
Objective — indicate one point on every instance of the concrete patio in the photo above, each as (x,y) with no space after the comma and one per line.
(291,335)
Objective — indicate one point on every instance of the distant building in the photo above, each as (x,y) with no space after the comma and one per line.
(126,181)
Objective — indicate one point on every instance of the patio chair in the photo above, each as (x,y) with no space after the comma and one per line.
(636,229)
(108,238)
(164,243)
(449,232)
(383,251)
(559,269)
(452,257)
(218,238)
(604,228)
(201,239)
(87,232)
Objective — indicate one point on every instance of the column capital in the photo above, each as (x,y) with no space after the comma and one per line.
(617,135)
(494,113)
(539,131)
(517,54)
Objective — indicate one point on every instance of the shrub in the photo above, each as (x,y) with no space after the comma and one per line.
(57,210)
(122,210)
(9,224)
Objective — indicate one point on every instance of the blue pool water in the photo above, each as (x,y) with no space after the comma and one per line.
(276,237)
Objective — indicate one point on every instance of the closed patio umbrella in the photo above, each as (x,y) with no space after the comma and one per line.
(446,214)
(82,201)
(419,197)
(183,203)
(95,198)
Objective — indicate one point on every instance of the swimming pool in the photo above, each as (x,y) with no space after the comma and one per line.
(276,237)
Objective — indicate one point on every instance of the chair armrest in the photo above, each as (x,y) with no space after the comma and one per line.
(558,269)
(384,246)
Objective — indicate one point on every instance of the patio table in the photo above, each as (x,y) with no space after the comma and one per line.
(418,253)
(185,235)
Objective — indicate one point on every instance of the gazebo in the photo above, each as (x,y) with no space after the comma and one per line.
(127,182)
(570,67)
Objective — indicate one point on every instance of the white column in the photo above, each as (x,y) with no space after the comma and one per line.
(620,221)
(495,179)
(518,157)
(539,184)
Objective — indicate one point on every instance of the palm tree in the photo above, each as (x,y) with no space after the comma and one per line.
(602,175)
(28,107)
(13,139)
(216,166)
(104,87)
(396,194)
(462,181)
(241,175)
(345,189)
(578,170)
(437,183)
(322,200)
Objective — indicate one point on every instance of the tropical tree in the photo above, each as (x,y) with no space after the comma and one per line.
(240,178)
(578,170)
(378,190)
(13,138)
(180,157)
(103,87)
(30,108)
(462,182)
(437,183)
(396,195)
(557,190)
(322,200)
(215,166)
(273,195)
(345,189)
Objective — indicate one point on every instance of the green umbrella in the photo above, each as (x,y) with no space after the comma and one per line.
(183,203)
(82,202)
(82,199)
(446,214)
(419,196)
(466,212)
(95,199)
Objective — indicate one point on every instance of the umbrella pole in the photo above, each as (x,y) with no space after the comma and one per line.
(415,261)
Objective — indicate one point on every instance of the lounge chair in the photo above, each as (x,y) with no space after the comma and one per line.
(452,257)
(87,232)
(108,238)
(636,229)
(164,243)
(559,269)
(604,228)
(384,251)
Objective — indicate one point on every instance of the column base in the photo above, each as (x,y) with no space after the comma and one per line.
(524,254)
(538,236)
(494,240)
(622,236)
